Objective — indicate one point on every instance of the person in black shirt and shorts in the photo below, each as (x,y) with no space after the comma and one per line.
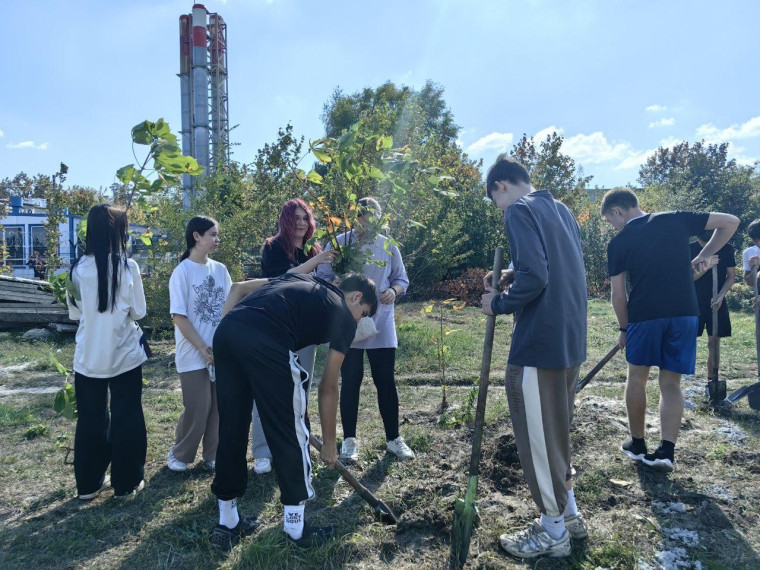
(703,283)
(658,320)
(255,353)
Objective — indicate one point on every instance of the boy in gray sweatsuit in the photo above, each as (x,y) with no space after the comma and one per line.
(548,298)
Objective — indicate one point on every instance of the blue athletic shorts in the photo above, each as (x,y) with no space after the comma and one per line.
(670,344)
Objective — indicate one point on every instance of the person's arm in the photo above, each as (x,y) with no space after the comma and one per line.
(725,226)
(328,405)
(397,278)
(619,299)
(700,271)
(730,280)
(240,290)
(531,272)
(325,257)
(188,331)
(325,271)
(138,308)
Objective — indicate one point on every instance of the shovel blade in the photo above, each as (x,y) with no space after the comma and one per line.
(741,392)
(716,391)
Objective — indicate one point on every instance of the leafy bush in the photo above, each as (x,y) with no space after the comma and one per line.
(466,287)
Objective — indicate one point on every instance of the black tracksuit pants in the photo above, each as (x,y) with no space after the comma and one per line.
(249,366)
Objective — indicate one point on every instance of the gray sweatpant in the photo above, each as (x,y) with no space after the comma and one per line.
(541,405)
(259,446)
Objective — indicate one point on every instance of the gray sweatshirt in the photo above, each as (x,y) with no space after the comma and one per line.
(548,295)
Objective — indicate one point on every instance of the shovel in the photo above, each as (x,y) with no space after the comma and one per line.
(716,389)
(753,391)
(383,511)
(587,378)
(466,510)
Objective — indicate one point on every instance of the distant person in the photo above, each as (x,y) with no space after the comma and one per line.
(255,350)
(390,277)
(548,297)
(285,252)
(198,289)
(725,260)
(108,357)
(751,255)
(659,319)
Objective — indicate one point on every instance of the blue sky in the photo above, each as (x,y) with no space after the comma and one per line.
(616,78)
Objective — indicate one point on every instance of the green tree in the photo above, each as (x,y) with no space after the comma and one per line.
(25,186)
(551,169)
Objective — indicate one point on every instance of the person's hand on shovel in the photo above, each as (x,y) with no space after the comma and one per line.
(716,302)
(485,300)
(507,276)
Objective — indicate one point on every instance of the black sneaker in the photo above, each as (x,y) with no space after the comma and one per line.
(659,461)
(313,536)
(633,450)
(225,538)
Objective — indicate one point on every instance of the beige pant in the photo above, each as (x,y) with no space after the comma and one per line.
(200,418)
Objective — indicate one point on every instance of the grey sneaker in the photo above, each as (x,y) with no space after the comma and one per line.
(262,465)
(535,541)
(400,449)
(576,526)
(349,450)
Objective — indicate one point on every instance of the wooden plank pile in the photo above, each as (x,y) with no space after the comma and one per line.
(26,303)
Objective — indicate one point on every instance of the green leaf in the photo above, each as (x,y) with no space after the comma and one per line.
(142,133)
(125,173)
(384,143)
(322,156)
(314,177)
(58,366)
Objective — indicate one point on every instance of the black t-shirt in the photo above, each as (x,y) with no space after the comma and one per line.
(275,262)
(703,285)
(654,251)
(297,310)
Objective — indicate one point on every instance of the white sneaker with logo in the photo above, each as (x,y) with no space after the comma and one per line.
(576,526)
(174,463)
(400,449)
(349,450)
(262,465)
(535,541)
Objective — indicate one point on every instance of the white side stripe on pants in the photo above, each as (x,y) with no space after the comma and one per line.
(299,416)
(532,400)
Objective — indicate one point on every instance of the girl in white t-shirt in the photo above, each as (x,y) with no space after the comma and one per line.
(198,289)
(107,298)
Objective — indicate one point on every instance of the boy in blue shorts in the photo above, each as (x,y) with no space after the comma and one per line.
(658,320)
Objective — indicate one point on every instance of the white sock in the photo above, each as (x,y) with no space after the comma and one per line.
(292,522)
(555,526)
(228,513)
(571,509)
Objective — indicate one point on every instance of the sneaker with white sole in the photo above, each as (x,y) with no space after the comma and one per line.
(103,486)
(634,451)
(400,449)
(262,465)
(349,450)
(659,461)
(576,526)
(140,486)
(175,464)
(535,541)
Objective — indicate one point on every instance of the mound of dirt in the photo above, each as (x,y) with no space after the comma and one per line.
(501,464)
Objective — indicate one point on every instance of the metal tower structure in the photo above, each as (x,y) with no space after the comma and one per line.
(203,91)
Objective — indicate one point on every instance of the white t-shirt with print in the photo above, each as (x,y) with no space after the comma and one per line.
(198,291)
(751,251)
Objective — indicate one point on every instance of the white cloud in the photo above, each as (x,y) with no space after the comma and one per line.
(656,108)
(2,134)
(664,122)
(595,148)
(28,144)
(668,142)
(747,130)
(493,141)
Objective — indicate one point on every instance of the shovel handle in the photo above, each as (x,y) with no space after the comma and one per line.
(354,482)
(601,364)
(485,369)
(757,318)
(713,340)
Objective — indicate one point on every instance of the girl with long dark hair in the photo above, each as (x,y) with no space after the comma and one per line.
(198,289)
(285,253)
(108,356)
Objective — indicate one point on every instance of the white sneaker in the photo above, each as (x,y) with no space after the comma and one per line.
(576,526)
(103,486)
(349,450)
(535,541)
(262,465)
(400,449)
(174,463)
